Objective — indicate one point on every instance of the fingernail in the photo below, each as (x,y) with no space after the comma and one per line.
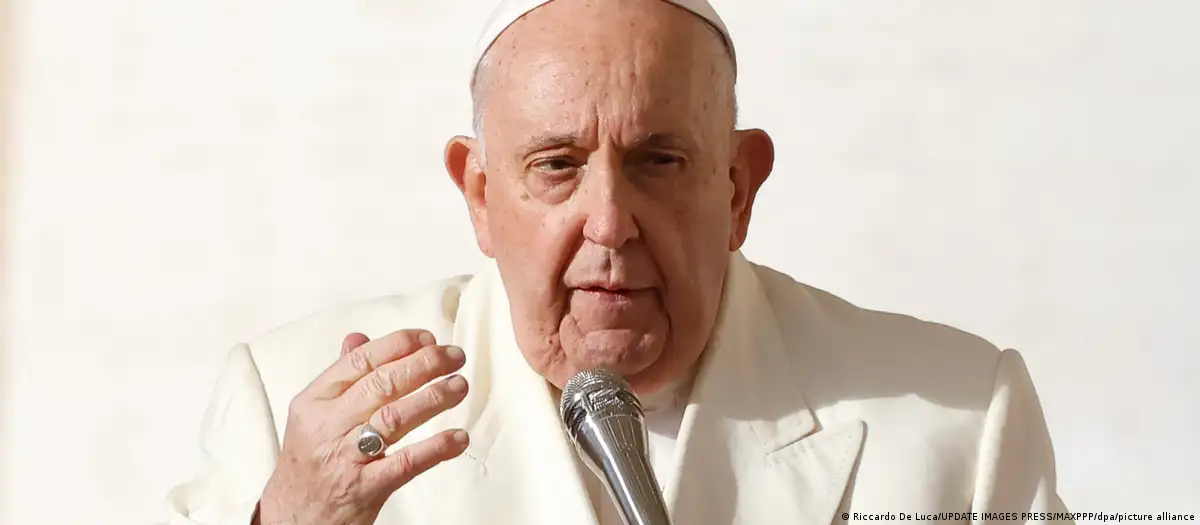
(455,353)
(461,437)
(457,384)
(427,338)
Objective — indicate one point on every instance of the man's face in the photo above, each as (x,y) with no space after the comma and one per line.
(608,198)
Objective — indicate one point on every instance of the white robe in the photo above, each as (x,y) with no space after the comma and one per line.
(805,409)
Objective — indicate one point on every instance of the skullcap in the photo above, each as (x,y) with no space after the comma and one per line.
(509,11)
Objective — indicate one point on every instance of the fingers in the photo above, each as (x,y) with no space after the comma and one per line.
(391,472)
(353,341)
(362,360)
(397,379)
(396,419)
(371,382)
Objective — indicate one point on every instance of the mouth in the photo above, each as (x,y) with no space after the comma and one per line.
(605,289)
(613,294)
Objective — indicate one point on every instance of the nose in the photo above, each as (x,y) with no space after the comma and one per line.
(607,204)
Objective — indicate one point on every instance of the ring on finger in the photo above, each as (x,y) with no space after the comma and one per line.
(370,442)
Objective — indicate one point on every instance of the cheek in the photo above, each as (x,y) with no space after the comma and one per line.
(516,225)
(715,196)
(690,238)
(531,243)
(697,210)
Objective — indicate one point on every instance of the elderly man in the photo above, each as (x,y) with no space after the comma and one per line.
(611,192)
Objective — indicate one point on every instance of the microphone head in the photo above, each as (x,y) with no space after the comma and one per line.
(596,394)
(606,423)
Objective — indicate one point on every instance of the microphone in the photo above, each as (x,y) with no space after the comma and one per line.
(605,422)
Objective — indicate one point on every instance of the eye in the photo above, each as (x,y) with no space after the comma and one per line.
(657,161)
(555,165)
(662,159)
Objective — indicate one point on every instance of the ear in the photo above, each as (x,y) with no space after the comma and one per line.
(463,156)
(754,158)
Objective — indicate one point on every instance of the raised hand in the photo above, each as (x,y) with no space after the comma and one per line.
(329,472)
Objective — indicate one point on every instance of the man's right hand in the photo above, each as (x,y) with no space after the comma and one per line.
(321,477)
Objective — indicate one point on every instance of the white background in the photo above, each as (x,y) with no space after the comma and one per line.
(183,175)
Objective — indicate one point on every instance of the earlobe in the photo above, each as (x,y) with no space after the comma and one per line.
(462,164)
(755,158)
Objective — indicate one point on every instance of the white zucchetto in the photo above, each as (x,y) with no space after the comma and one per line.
(509,11)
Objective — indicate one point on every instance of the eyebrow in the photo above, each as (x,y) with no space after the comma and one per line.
(659,140)
(650,140)
(547,142)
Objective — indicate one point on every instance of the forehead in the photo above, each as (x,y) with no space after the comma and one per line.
(650,65)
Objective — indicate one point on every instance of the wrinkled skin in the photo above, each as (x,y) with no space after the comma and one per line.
(613,191)
(320,476)
(610,185)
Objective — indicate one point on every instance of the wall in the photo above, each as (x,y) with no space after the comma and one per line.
(185,175)
(7,53)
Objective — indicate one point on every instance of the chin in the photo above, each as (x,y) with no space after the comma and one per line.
(628,353)
(643,377)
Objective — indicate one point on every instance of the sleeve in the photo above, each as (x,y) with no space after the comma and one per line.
(1015,478)
(239,447)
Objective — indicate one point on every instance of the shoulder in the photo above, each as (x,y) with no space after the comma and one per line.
(935,400)
(434,303)
(288,357)
(845,352)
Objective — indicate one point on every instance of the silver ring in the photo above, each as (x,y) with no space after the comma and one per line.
(370,442)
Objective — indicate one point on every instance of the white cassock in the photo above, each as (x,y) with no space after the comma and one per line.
(803,408)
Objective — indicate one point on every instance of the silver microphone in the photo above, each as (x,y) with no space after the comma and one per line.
(605,421)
